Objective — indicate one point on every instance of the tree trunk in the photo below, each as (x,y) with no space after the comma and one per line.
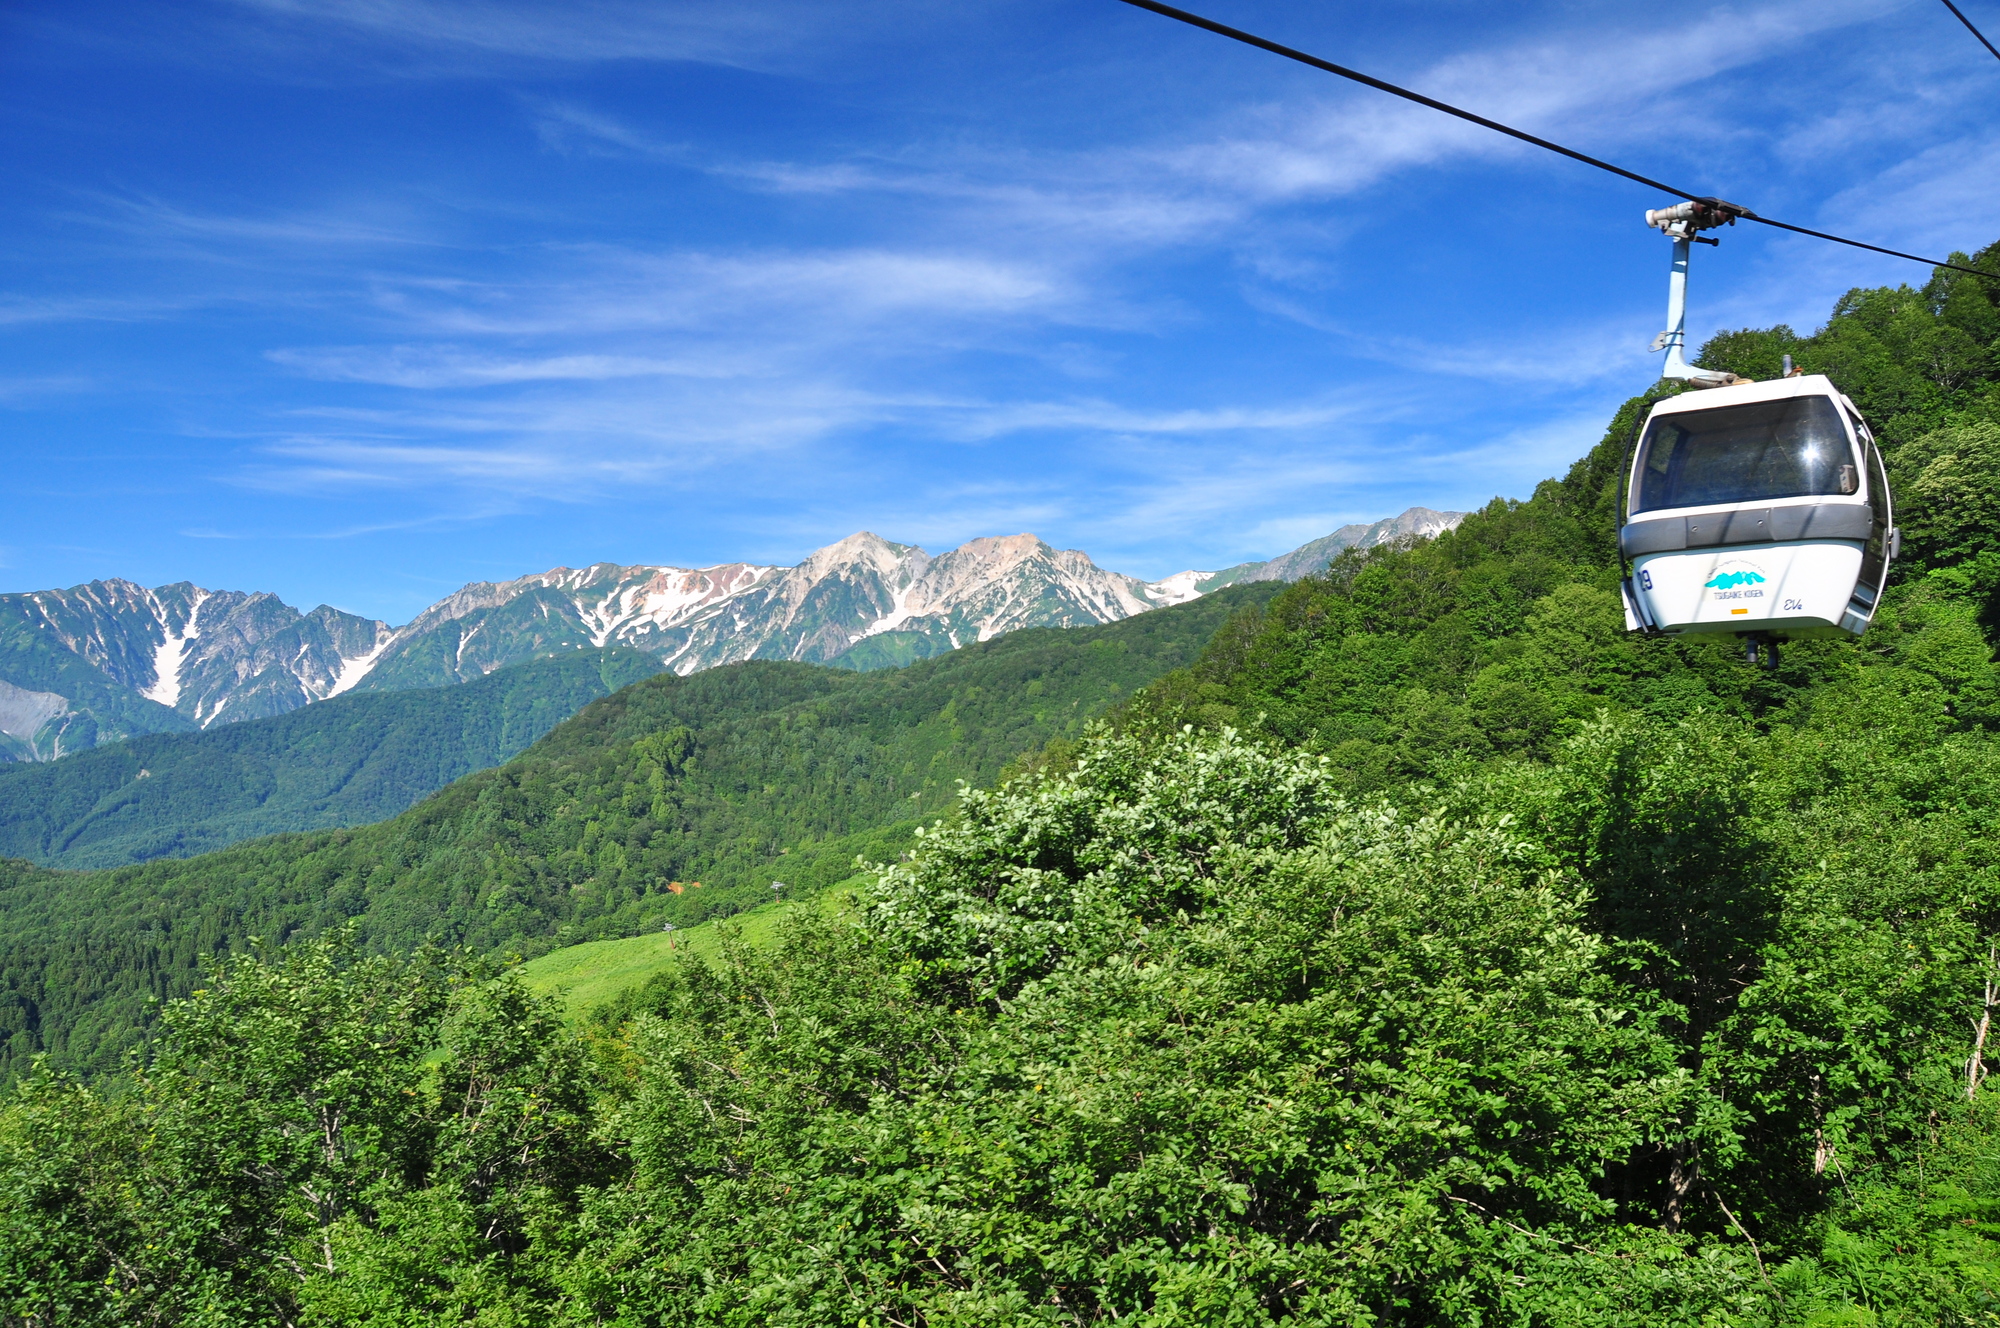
(1975,1069)
(1680,1184)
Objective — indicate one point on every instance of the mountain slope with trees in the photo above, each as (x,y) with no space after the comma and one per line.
(1429,952)
(730,778)
(348,761)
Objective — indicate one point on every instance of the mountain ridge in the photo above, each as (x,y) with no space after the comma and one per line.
(112,659)
(1316,555)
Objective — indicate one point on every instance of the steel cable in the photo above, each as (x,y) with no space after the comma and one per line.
(1969,28)
(1265,44)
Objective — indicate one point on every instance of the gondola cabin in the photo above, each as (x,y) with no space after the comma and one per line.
(1757,509)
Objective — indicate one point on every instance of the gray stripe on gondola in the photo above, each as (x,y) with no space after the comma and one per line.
(1755,525)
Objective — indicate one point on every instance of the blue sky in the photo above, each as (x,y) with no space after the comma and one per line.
(359,300)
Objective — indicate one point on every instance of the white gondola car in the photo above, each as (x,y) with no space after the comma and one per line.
(1759,510)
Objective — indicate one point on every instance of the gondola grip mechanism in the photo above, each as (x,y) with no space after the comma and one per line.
(1680,223)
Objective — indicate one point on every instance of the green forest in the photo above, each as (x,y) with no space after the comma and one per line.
(1421,949)
(347,761)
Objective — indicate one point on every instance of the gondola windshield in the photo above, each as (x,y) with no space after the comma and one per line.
(1793,448)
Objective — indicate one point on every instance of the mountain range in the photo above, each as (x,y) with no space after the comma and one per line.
(112,659)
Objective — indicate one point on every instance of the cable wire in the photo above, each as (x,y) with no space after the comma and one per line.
(1969,28)
(1265,44)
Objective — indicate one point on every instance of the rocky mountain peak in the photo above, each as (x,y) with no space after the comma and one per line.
(864,549)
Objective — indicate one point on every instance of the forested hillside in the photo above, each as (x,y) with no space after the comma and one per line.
(1429,952)
(730,778)
(1504,635)
(348,761)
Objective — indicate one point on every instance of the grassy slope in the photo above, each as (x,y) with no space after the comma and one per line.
(596,973)
(348,761)
(735,777)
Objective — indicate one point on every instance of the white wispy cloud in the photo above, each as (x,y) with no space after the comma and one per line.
(1548,360)
(158,218)
(19,310)
(619,291)
(1621,81)
(37,388)
(1940,199)
(431,367)
(603,30)
(1000,419)
(460,515)
(564,125)
(596,31)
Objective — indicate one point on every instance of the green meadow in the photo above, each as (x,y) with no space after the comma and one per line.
(595,973)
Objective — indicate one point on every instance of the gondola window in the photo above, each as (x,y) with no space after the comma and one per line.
(1792,448)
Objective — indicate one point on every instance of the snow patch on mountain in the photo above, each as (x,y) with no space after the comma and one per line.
(899,613)
(171,653)
(353,668)
(1178,588)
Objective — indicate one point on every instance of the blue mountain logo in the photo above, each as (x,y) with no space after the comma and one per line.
(1730,580)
